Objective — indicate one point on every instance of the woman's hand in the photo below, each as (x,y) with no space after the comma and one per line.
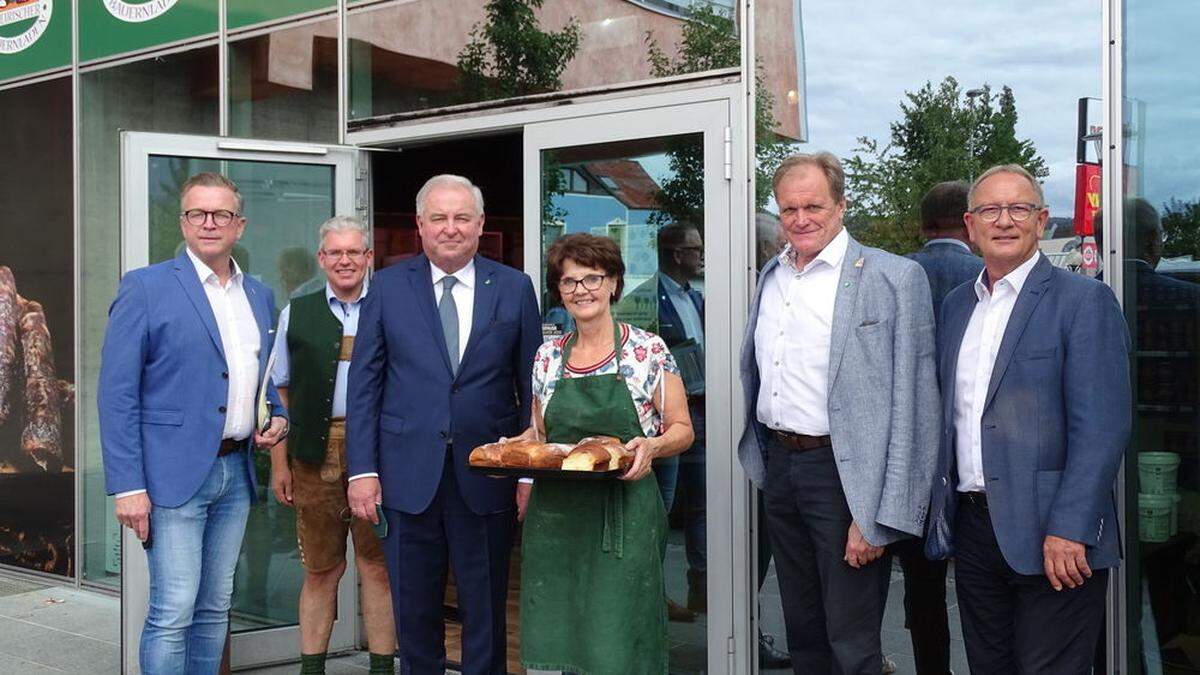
(529,434)
(644,451)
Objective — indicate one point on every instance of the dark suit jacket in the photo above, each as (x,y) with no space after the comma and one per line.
(1056,419)
(670,326)
(164,381)
(947,265)
(403,403)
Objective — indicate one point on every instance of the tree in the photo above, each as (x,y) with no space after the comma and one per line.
(509,55)
(942,135)
(1181,228)
(709,42)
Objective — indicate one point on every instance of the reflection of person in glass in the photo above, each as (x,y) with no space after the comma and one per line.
(308,471)
(1034,371)
(592,598)
(841,436)
(296,272)
(184,352)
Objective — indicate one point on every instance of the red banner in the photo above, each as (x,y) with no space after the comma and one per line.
(1087,198)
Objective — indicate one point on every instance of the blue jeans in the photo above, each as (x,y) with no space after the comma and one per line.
(192,559)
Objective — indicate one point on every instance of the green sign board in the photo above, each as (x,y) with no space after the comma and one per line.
(242,13)
(112,27)
(35,36)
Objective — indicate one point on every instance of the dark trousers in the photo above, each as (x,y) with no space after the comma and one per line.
(1017,623)
(831,611)
(418,548)
(925,606)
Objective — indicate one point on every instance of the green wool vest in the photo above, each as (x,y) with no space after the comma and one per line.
(314,340)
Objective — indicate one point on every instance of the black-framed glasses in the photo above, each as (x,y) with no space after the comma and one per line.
(591,282)
(354,254)
(990,213)
(220,217)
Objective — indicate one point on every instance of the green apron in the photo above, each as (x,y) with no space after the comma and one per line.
(592,597)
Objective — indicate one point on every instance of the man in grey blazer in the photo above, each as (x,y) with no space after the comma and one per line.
(842,415)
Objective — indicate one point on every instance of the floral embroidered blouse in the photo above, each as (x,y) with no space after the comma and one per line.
(644,359)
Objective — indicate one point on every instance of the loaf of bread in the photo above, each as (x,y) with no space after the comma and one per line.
(534,455)
(598,453)
(487,455)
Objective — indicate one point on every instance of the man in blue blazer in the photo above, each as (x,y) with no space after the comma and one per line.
(184,352)
(1034,368)
(948,261)
(442,363)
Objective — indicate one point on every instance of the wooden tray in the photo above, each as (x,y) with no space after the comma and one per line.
(520,472)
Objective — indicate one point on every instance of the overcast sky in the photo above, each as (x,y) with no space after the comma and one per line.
(862,56)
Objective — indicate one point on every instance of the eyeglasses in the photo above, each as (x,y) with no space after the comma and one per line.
(689,249)
(354,254)
(591,282)
(220,217)
(990,213)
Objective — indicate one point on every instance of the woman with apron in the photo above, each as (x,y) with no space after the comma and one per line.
(592,595)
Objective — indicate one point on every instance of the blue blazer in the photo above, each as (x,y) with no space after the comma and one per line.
(947,265)
(1055,424)
(403,403)
(164,381)
(670,326)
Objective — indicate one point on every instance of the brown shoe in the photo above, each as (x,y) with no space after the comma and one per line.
(678,613)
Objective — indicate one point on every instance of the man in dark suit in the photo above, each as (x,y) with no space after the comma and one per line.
(948,262)
(442,363)
(1034,369)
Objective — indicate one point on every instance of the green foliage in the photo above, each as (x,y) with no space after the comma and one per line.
(942,135)
(1181,228)
(509,55)
(709,42)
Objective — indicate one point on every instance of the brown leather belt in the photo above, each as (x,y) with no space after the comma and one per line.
(800,441)
(230,445)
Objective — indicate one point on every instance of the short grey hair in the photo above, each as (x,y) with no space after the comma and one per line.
(1015,169)
(344,224)
(448,180)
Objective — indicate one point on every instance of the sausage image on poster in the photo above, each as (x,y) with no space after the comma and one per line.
(36,425)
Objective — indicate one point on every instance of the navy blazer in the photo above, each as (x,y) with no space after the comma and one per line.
(670,326)
(164,381)
(946,264)
(404,406)
(1056,420)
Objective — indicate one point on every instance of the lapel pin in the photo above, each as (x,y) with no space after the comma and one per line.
(846,285)
(858,263)
(487,282)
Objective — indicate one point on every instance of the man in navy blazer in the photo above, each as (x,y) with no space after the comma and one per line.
(442,363)
(184,352)
(948,261)
(1034,369)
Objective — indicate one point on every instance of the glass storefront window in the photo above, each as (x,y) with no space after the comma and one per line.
(37,331)
(1162,303)
(283,85)
(504,49)
(176,93)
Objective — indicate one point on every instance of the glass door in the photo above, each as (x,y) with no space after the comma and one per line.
(658,182)
(289,190)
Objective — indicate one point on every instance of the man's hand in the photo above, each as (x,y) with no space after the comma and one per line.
(275,433)
(523,490)
(859,551)
(1065,562)
(133,511)
(281,482)
(363,494)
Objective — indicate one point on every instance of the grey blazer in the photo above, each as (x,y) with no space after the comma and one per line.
(884,408)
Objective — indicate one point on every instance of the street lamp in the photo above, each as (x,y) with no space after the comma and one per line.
(972,94)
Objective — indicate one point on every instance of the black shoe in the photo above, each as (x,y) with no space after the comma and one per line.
(770,658)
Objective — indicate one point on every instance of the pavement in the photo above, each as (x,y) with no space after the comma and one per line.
(54,629)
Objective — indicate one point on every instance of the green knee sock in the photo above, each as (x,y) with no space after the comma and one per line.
(312,664)
(382,664)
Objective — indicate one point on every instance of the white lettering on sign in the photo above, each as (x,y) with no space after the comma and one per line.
(131,12)
(40,14)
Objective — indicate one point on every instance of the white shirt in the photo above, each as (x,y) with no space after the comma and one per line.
(347,314)
(464,299)
(792,338)
(689,315)
(973,372)
(240,338)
